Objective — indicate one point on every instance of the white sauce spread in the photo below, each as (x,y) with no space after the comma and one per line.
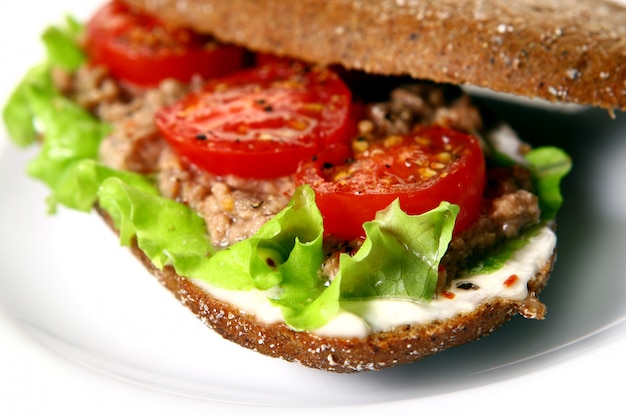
(360,318)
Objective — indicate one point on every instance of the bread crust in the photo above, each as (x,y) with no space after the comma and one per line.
(404,344)
(559,50)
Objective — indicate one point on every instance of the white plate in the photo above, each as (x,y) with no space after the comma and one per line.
(84,329)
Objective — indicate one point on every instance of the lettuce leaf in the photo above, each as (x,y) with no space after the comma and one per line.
(62,44)
(175,236)
(307,298)
(18,116)
(72,136)
(290,241)
(314,313)
(499,257)
(549,165)
(66,162)
(284,256)
(400,256)
(63,50)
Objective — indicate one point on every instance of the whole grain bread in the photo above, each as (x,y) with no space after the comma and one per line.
(559,50)
(405,344)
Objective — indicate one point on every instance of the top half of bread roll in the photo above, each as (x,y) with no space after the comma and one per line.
(570,51)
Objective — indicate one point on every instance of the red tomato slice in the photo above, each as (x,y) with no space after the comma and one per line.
(262,122)
(143,51)
(422,169)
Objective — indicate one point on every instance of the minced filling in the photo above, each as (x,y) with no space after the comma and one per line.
(235,208)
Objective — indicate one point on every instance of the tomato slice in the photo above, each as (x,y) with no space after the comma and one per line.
(422,169)
(141,50)
(262,122)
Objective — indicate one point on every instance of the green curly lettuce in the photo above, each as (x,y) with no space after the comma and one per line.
(400,256)
(61,44)
(169,233)
(67,162)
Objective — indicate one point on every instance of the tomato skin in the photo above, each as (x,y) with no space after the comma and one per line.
(261,59)
(141,50)
(262,122)
(351,194)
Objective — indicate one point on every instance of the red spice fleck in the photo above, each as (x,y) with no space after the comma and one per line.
(447,294)
(511,280)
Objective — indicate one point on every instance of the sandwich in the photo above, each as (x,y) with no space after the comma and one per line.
(308,178)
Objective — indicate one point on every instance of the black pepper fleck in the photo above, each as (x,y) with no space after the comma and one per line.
(467,286)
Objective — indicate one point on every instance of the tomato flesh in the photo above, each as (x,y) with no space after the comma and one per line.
(260,123)
(422,169)
(143,51)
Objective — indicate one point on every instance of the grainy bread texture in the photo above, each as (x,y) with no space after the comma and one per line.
(559,50)
(379,350)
